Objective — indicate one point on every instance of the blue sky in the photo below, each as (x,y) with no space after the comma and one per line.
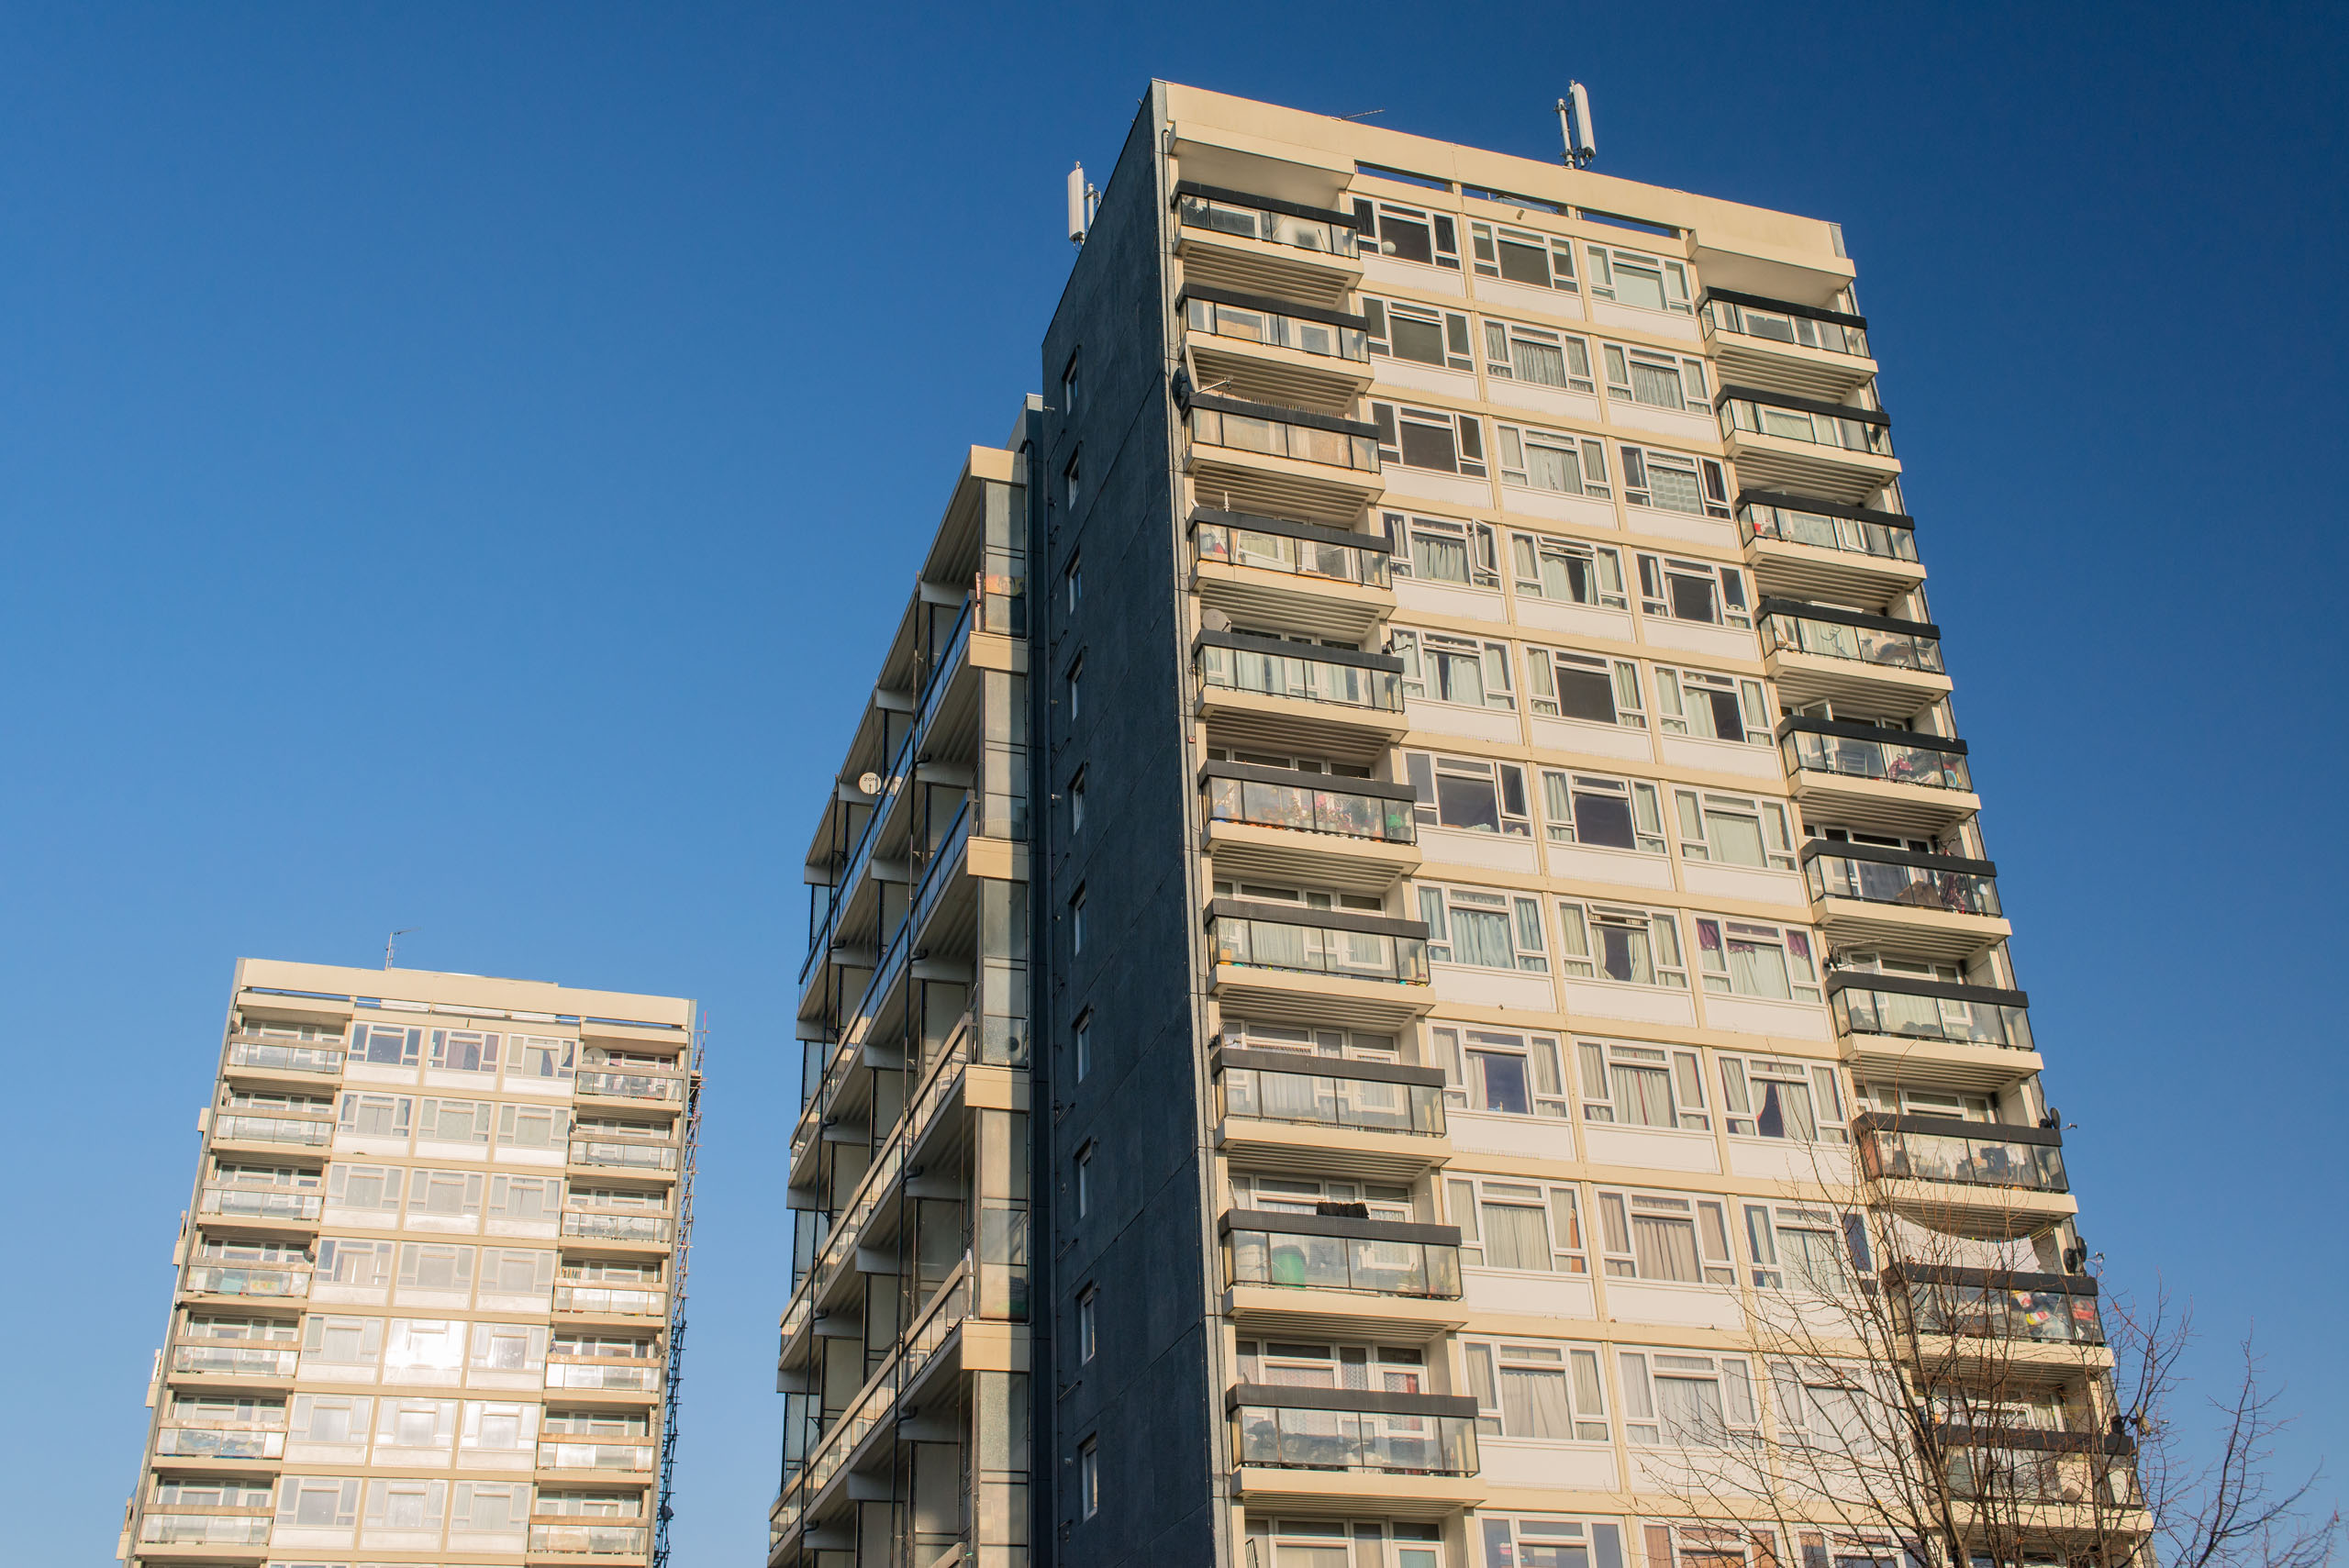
(458,466)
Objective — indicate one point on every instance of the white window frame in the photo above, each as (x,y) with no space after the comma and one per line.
(1503,783)
(479,1115)
(1088,1476)
(1465,431)
(1458,1048)
(1424,656)
(1679,713)
(1672,278)
(344,1510)
(394,1180)
(1621,1208)
(344,1260)
(399,1108)
(1831,1269)
(513,1120)
(1603,1071)
(1700,817)
(1642,464)
(386,1499)
(1724,590)
(358,1411)
(1580,1543)
(1442,230)
(1468,1195)
(1578,919)
(1686,371)
(1454,348)
(1477,543)
(1555,250)
(466,1050)
(1562,791)
(1731,1378)
(1746,1104)
(1502,339)
(400,1043)
(1581,1370)
(548,1057)
(1441,903)
(1797,947)
(1602,570)
(416,1257)
(1543,665)
(1587,455)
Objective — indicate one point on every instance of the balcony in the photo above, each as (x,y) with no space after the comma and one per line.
(1968,1177)
(2007,1466)
(588,1539)
(1900,781)
(639,1230)
(1328,1116)
(1989,1304)
(206,1530)
(1932,1033)
(1232,239)
(1806,445)
(611,1154)
(611,1301)
(1789,347)
(251,1056)
(1941,907)
(275,1129)
(1321,1448)
(262,1203)
(1313,578)
(1271,458)
(220,1442)
(601,1083)
(232,1363)
(588,1374)
(1314,1273)
(1291,697)
(1278,824)
(1281,961)
(1276,350)
(1801,547)
(268,1279)
(1825,652)
(583,1454)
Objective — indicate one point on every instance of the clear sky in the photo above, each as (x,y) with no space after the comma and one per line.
(458,466)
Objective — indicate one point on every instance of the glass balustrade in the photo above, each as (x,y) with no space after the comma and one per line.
(218,1279)
(1325,1096)
(626,1156)
(234,1361)
(1266,942)
(1855,429)
(1301,555)
(274,1056)
(219,1442)
(1785,632)
(1221,318)
(1311,808)
(1977,1469)
(630,1085)
(615,1227)
(610,1301)
(244,1203)
(1299,676)
(1910,886)
(590,1540)
(1777,322)
(1348,1440)
(272,1130)
(1225,215)
(1257,1253)
(1958,1019)
(1272,437)
(204,1530)
(1907,1151)
(2012,1310)
(1839,529)
(564,1455)
(594,1375)
(1891,761)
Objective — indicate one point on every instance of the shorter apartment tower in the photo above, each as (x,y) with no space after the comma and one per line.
(428,1288)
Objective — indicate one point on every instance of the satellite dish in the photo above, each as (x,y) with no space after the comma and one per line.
(869,783)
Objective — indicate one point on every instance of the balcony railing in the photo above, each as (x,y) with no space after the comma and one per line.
(1308,802)
(586,1455)
(1808,419)
(1868,751)
(274,1130)
(624,1156)
(275,1280)
(630,1085)
(220,1442)
(235,1361)
(590,1540)
(1826,525)
(1239,662)
(611,1301)
(2013,1465)
(2058,1309)
(1303,550)
(1913,881)
(1345,1429)
(276,1056)
(650,1227)
(1293,1086)
(1961,1153)
(1896,1005)
(1319,941)
(206,1530)
(1254,319)
(1362,1257)
(1262,218)
(1782,321)
(1275,431)
(255,1202)
(633,1376)
(1828,631)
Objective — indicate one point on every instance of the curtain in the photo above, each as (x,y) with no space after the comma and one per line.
(1516,1237)
(1533,1404)
(1502,1081)
(1655,385)
(1482,937)
(1460,677)
(1440,559)
(1675,490)
(1642,1096)
(1553,468)
(1691,1409)
(1541,363)
(1758,969)
(1787,1111)
(1666,1249)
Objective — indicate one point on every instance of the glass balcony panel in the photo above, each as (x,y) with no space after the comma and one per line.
(259,1203)
(1812,427)
(1225,216)
(216,1279)
(1347,1440)
(236,1360)
(1317,950)
(1785,633)
(1330,1100)
(272,1130)
(219,1442)
(630,1085)
(1216,318)
(1300,676)
(1283,553)
(1279,437)
(206,1530)
(1788,327)
(1860,1011)
(1991,1311)
(635,1156)
(1974,1161)
(590,1540)
(1823,530)
(1349,1263)
(1890,762)
(1310,809)
(1912,887)
(595,1456)
(276,1057)
(650,1227)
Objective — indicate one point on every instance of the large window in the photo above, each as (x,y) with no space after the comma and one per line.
(1793,1247)
(1746,957)
(1688,1400)
(1566,684)
(1440,667)
(1670,482)
(1410,234)
(1419,333)
(1711,706)
(1469,792)
(1430,438)
(1733,829)
(378,1116)
(1522,256)
(386,1045)
(1435,549)
(318,1502)
(1542,1541)
(1642,1085)
(1604,813)
(465,1051)
(1318,1543)
(1665,1237)
(1694,590)
(1636,947)
(1536,1389)
(1627,277)
(1390,1369)
(1551,460)
(1661,380)
(454,1121)
(1499,1070)
(1765,1097)
(1528,1226)
(1491,931)
(1567,570)
(1536,356)
(1290,1195)
(363,1264)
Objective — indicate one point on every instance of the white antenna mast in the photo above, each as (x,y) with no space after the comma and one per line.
(1083,201)
(395,936)
(1573,123)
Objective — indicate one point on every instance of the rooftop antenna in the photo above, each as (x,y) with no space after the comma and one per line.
(1573,123)
(1083,201)
(395,936)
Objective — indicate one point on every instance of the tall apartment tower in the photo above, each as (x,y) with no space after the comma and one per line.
(428,1281)
(1403,972)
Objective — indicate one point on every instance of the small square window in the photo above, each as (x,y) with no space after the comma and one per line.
(1077,803)
(1088,1476)
(1075,688)
(1087,1323)
(1085,1180)
(1081,1043)
(1076,921)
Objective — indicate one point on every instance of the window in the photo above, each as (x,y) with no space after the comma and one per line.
(1389,1369)
(1076,921)
(318,1502)
(1088,1476)
(1436,551)
(1088,1301)
(337,1418)
(489,1505)
(532,1127)
(454,1121)
(1806,1248)
(1642,1085)
(516,1271)
(1744,957)
(1492,930)
(539,1056)
(1074,579)
(1070,389)
(1538,1389)
(1732,829)
(1314,1544)
(445,1195)
(436,1267)
(465,1051)
(1499,1070)
(1764,1097)
(1627,277)
(1686,1399)
(1072,483)
(1437,667)
(1550,460)
(343,1261)
(1711,706)
(1566,571)
(1419,333)
(1540,1541)
(1468,792)
(416,1423)
(1658,379)
(524,1198)
(1076,802)
(343,1341)
(509,1347)
(1430,437)
(377,1115)
(1081,1043)
(424,1344)
(1536,356)
(1521,256)
(1602,813)
(1831,1408)
(386,1045)
(1284,1194)
(1670,482)
(1085,1180)
(407,1505)
(1517,1225)
(1667,1236)
(364,1186)
(1638,947)
(1410,234)
(497,1427)
(1584,685)
(1694,590)
(1075,688)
